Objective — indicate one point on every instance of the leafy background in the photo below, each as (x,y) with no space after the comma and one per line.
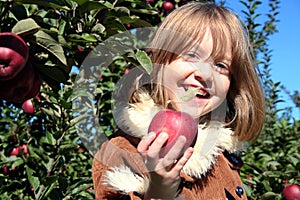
(61,34)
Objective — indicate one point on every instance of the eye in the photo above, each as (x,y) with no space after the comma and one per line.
(191,57)
(222,68)
(220,65)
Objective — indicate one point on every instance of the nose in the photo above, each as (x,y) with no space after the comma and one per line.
(203,71)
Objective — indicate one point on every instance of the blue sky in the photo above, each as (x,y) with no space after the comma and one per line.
(285,67)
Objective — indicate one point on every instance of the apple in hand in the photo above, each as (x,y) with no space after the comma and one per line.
(14,54)
(175,124)
(291,192)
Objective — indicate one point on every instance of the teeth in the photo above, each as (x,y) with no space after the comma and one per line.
(194,91)
(202,93)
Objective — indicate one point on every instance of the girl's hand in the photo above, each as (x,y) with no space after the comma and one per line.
(164,171)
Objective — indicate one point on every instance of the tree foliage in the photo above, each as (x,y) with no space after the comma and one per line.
(273,161)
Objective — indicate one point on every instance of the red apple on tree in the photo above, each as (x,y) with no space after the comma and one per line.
(36,86)
(5,169)
(174,124)
(291,192)
(13,55)
(16,151)
(17,89)
(28,106)
(167,5)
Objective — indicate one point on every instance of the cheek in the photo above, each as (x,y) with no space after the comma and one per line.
(170,77)
(223,86)
(225,81)
(226,85)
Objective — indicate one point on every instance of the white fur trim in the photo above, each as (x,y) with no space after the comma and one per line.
(211,141)
(124,180)
(135,119)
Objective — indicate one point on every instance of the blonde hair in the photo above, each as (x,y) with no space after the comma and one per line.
(185,27)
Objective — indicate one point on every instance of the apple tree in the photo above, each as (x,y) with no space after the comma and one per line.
(273,161)
(45,45)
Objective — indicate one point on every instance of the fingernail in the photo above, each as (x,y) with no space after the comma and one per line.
(150,135)
(163,135)
(182,138)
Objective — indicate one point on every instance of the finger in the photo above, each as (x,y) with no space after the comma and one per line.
(158,143)
(152,155)
(183,160)
(175,152)
(146,142)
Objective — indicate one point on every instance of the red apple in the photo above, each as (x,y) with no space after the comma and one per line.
(13,55)
(168,5)
(36,86)
(291,192)
(174,124)
(80,49)
(16,151)
(24,148)
(5,169)
(16,89)
(81,149)
(28,106)
(126,70)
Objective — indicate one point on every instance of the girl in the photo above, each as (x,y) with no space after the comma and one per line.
(203,48)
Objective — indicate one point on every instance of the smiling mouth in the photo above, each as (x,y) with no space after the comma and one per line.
(196,92)
(202,94)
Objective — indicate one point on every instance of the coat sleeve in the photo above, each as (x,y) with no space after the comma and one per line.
(115,153)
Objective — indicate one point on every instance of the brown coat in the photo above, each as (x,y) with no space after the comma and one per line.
(223,179)
(119,171)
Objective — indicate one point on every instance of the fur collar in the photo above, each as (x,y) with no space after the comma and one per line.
(134,119)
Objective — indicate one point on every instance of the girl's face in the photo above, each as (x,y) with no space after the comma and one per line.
(196,83)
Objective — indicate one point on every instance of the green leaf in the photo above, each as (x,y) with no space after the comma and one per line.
(81,2)
(25,27)
(48,4)
(51,45)
(293,160)
(67,148)
(145,61)
(268,195)
(89,37)
(98,28)
(248,190)
(140,23)
(53,72)
(145,11)
(10,159)
(49,180)
(51,112)
(85,37)
(52,181)
(122,10)
(34,181)
(46,139)
(190,93)
(91,5)
(267,185)
(17,163)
